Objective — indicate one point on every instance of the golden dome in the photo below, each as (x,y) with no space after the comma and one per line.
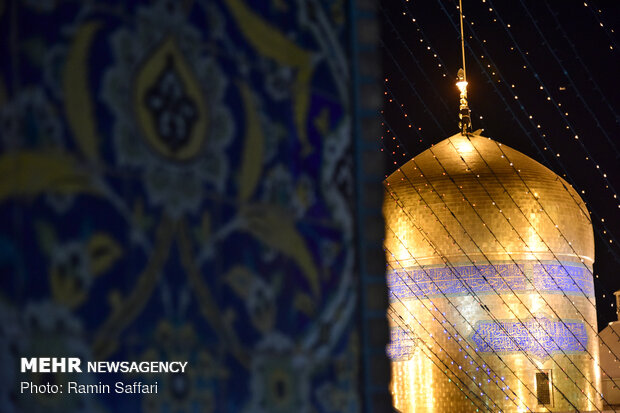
(478,235)
(476,196)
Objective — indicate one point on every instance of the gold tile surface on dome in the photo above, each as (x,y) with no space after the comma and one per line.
(462,206)
(535,200)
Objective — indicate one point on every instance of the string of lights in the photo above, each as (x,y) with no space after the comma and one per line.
(477,383)
(495,76)
(481,252)
(414,258)
(532,227)
(542,136)
(442,293)
(481,42)
(541,85)
(551,99)
(529,358)
(464,283)
(614,45)
(413,88)
(421,39)
(413,19)
(443,350)
(394,316)
(584,67)
(498,322)
(455,307)
(604,175)
(414,59)
(400,107)
(424,40)
(562,235)
(593,329)
(499,94)
(388,149)
(392,97)
(570,80)
(536,76)
(450,302)
(536,232)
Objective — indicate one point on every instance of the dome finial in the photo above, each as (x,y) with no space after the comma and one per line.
(464,117)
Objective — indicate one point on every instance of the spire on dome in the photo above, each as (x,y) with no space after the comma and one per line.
(464,114)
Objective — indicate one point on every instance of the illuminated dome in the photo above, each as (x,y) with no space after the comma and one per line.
(490,273)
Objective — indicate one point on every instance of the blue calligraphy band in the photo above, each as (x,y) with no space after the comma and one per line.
(552,336)
(553,278)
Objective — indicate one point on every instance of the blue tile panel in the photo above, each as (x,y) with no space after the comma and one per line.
(541,337)
(414,282)
(168,169)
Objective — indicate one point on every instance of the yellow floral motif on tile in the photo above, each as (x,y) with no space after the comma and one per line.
(148,75)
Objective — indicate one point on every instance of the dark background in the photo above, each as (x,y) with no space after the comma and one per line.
(570,49)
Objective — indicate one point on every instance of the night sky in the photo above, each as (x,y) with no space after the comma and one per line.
(560,59)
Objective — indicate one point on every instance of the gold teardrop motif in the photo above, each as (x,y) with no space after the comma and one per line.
(170,107)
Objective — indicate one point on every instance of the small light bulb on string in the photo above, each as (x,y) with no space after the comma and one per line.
(564,114)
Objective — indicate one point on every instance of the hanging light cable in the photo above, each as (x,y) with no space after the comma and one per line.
(464,114)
